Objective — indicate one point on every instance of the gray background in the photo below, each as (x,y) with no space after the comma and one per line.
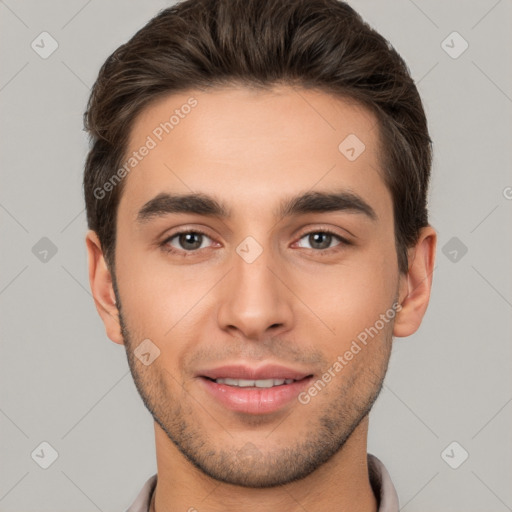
(64,382)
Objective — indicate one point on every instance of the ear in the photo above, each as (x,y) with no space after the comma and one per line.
(102,289)
(416,284)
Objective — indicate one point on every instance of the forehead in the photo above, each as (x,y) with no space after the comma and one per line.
(252,147)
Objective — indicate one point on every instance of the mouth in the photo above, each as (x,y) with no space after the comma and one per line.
(254,391)
(246,383)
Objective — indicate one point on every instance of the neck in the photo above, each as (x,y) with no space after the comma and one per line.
(341,484)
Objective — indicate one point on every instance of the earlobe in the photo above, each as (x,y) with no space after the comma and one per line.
(100,280)
(416,284)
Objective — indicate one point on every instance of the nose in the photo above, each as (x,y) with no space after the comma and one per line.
(255,299)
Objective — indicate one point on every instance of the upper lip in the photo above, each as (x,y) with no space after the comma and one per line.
(268,371)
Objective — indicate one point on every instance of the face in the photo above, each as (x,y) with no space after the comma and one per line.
(248,281)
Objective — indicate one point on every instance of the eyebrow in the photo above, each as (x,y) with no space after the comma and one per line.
(203,204)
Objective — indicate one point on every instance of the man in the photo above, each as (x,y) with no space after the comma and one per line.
(256,196)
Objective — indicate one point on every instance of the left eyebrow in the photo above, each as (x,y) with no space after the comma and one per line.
(203,204)
(321,202)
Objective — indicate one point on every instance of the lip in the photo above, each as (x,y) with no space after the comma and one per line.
(253,400)
(268,371)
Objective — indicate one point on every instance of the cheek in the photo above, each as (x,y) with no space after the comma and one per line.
(161,301)
(351,298)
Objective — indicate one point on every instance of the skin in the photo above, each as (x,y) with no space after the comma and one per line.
(297,304)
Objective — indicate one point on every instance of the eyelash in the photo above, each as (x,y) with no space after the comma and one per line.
(169,249)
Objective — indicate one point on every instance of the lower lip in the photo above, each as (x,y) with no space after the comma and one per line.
(252,400)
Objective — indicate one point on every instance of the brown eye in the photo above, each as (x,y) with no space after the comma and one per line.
(322,240)
(186,241)
(190,241)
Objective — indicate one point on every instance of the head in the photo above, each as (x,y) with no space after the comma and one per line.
(287,144)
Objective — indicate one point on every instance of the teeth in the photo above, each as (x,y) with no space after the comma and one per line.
(262,383)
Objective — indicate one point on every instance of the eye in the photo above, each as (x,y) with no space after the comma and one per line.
(190,241)
(321,240)
(185,241)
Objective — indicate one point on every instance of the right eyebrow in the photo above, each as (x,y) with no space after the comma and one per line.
(166,203)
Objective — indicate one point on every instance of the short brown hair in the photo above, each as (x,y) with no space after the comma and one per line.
(318,44)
